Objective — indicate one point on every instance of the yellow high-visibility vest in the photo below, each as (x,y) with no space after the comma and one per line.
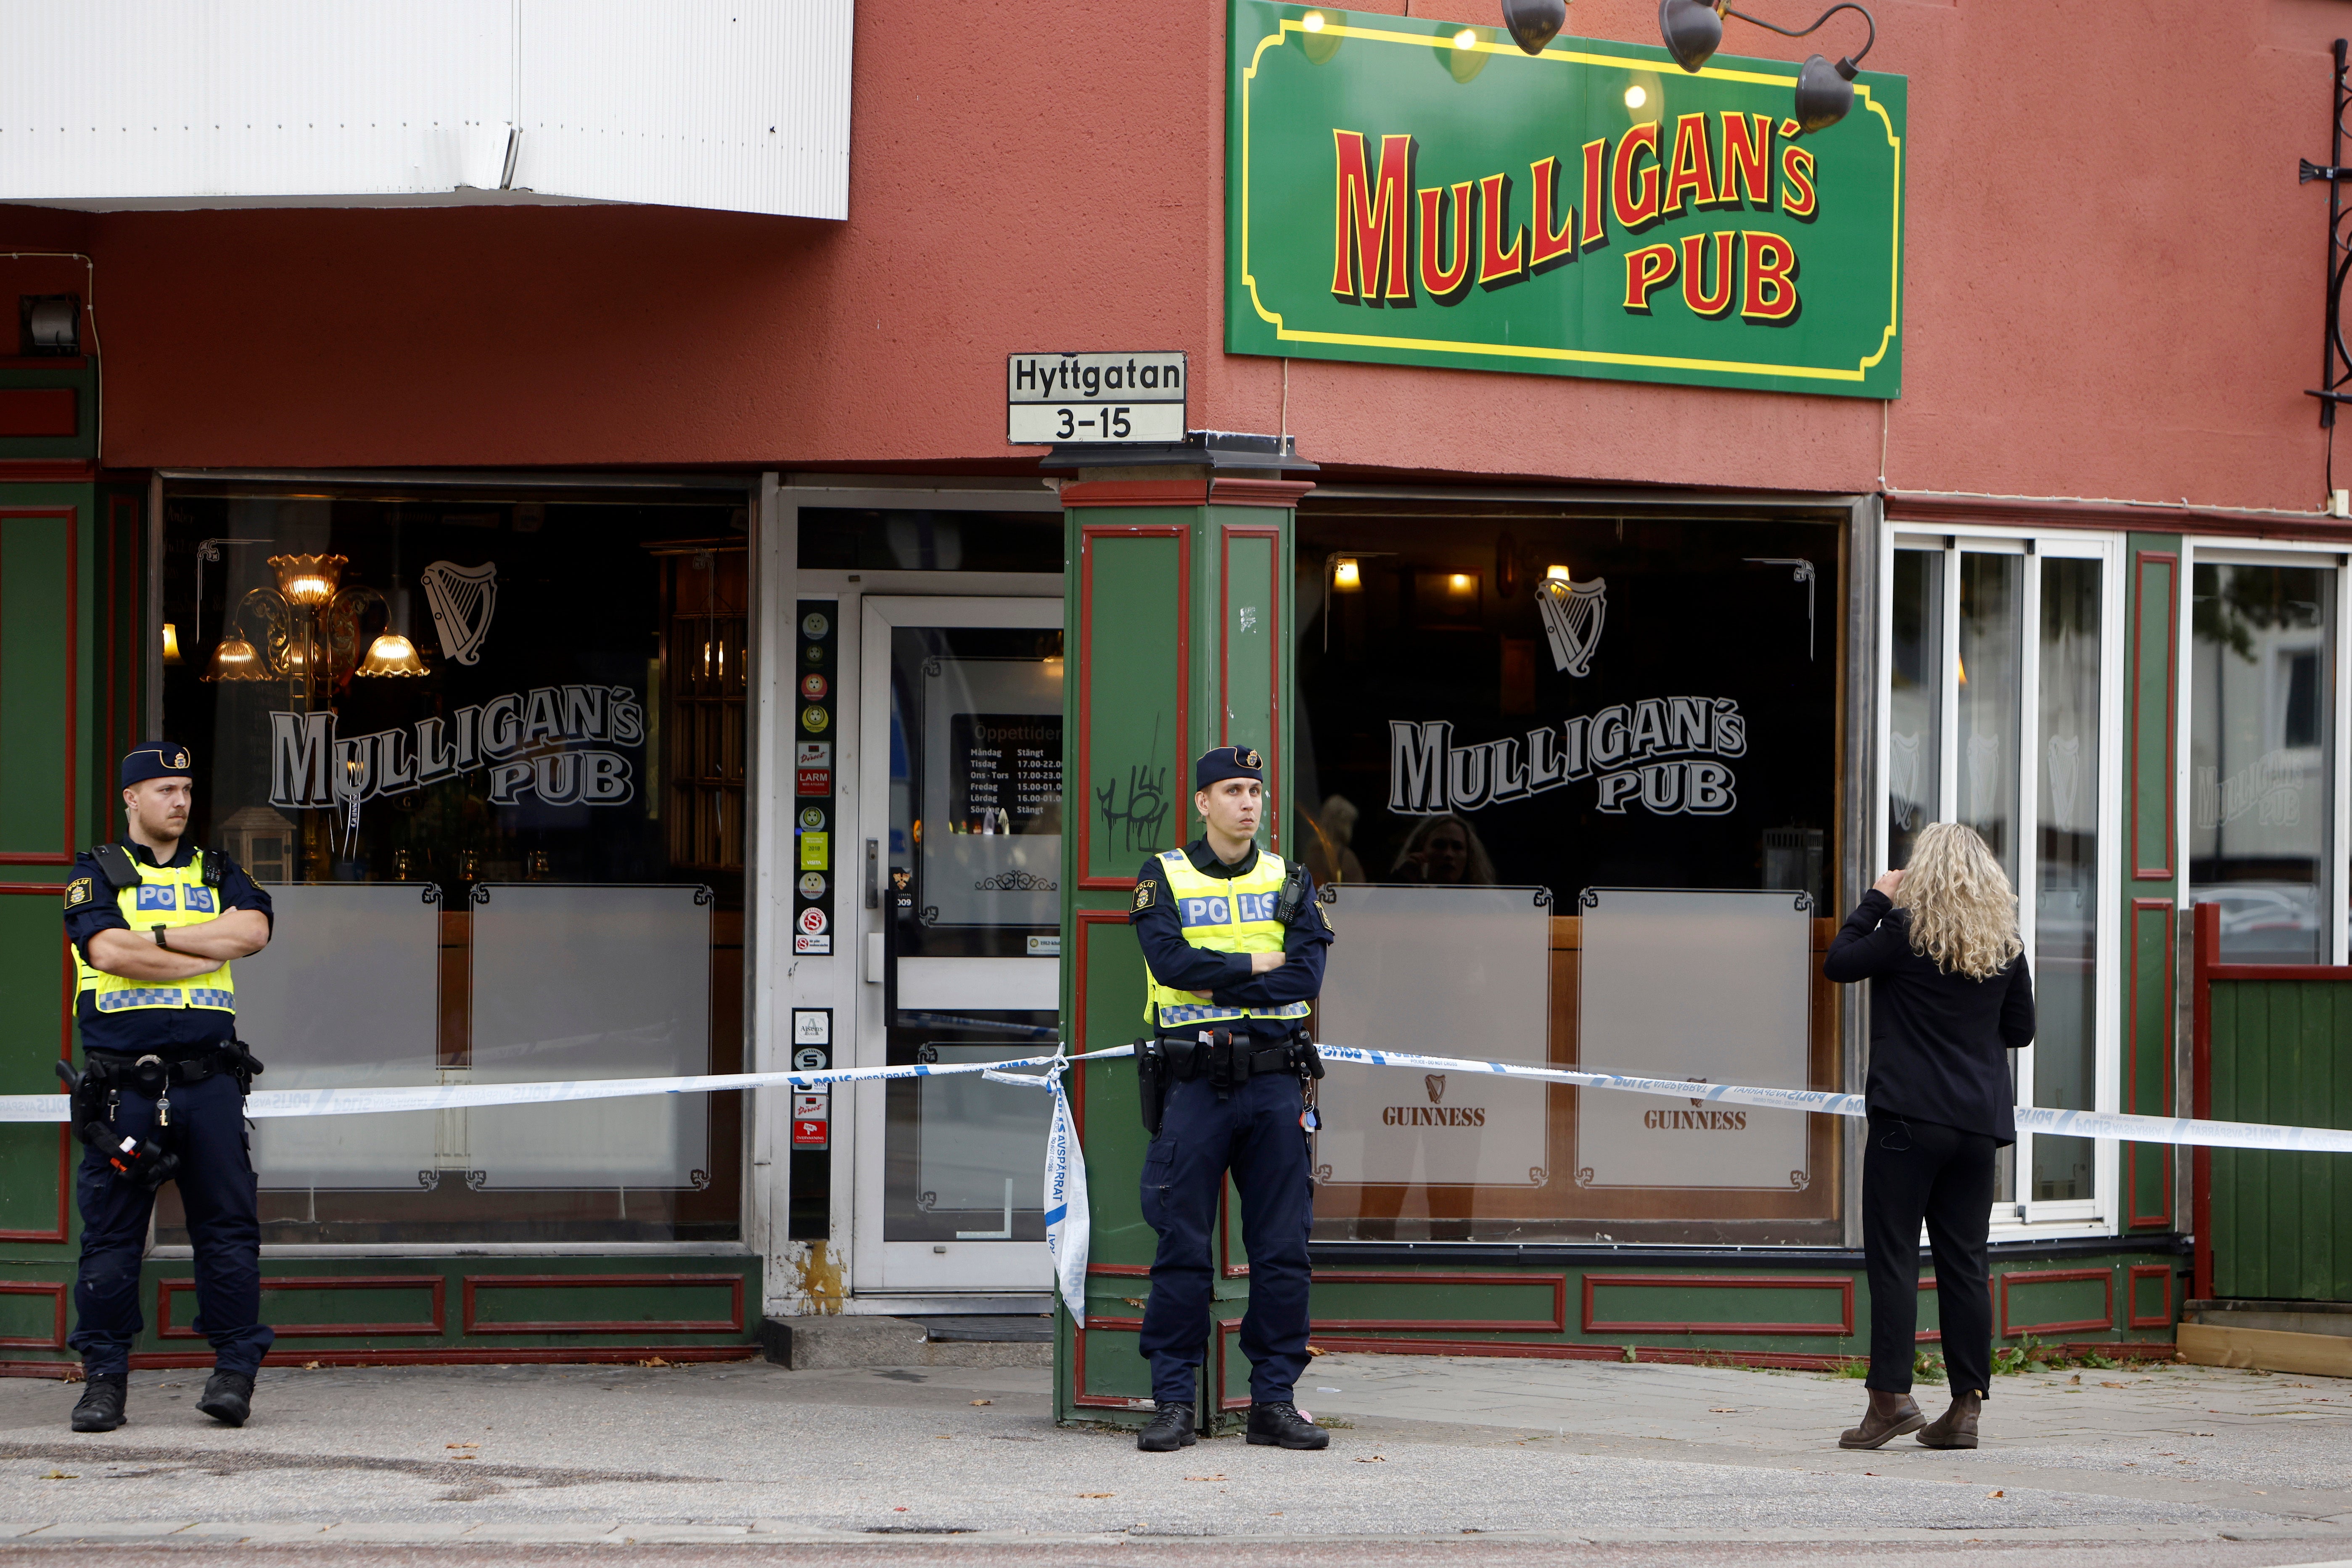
(1224,915)
(164,896)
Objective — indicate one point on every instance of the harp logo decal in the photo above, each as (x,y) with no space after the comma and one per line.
(1572,618)
(462,599)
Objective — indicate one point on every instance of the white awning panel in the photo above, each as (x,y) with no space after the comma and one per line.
(736,105)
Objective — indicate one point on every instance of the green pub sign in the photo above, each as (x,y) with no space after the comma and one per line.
(1423,193)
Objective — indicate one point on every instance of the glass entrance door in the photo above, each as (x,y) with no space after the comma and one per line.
(961,821)
(2002,712)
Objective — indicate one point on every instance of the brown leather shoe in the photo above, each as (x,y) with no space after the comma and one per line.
(1890,1415)
(1956,1427)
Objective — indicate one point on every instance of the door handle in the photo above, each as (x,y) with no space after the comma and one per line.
(872,874)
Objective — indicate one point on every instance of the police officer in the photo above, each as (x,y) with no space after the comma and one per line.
(154,923)
(1234,941)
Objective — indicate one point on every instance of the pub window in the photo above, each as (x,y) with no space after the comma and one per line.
(1571,781)
(487,749)
(2001,713)
(2262,765)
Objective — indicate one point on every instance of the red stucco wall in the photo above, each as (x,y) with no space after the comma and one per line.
(2114,283)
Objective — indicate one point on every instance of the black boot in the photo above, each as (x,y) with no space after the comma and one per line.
(1170,1429)
(1278,1421)
(227,1397)
(100,1406)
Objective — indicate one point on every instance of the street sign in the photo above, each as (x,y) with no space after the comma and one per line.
(1074,399)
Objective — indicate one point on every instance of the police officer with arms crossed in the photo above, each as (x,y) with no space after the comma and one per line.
(1234,941)
(154,923)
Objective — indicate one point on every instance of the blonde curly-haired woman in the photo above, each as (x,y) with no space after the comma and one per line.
(1949,998)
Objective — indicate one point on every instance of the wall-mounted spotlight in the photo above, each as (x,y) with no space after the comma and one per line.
(1347,574)
(1692,31)
(1532,24)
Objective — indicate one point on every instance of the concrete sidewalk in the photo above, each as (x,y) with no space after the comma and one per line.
(2193,1465)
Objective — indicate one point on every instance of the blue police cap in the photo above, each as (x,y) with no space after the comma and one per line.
(1227,763)
(156,759)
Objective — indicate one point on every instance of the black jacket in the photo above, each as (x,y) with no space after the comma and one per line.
(1226,976)
(1939,1043)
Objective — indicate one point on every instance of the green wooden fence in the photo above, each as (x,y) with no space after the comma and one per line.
(2274,1043)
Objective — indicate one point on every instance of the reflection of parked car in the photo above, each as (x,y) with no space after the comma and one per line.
(2276,921)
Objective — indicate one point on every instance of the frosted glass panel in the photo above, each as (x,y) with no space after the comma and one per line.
(1709,987)
(345,997)
(591,982)
(1443,971)
(976,1136)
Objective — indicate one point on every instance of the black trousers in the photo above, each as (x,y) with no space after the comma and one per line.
(218,1189)
(1915,1171)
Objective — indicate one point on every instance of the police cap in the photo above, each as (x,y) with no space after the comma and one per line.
(156,759)
(1227,763)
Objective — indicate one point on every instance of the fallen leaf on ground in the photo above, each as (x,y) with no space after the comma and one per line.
(1215,1477)
(2115,1385)
(898,1511)
(1372,1459)
(1996,1492)
(652,1361)
(2076,1378)
(59,1476)
(1721,1410)
(1316,1350)
(1080,1494)
(310,1366)
(984,1402)
(461,1445)
(465,1455)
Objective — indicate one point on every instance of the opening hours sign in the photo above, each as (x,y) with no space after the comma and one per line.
(1411,191)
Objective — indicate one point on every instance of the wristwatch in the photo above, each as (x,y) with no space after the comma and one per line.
(160,942)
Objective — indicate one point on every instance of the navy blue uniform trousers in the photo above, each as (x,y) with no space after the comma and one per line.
(1254,1132)
(218,1191)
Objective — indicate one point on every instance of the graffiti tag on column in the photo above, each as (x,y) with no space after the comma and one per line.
(1135,822)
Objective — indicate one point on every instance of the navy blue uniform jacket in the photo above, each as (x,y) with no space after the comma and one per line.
(1939,1043)
(1226,976)
(166,1031)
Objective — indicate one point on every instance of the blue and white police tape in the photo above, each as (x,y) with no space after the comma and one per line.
(1068,1223)
(2076,1123)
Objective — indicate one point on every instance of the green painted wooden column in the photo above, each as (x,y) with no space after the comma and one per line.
(2154,709)
(1179,626)
(70,662)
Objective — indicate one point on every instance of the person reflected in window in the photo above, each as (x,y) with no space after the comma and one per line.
(1331,831)
(1950,997)
(1444,849)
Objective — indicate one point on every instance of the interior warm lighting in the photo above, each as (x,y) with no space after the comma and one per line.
(1557,574)
(1462,583)
(392,654)
(1636,96)
(1347,574)
(1963,670)
(1465,39)
(235,659)
(170,643)
(308,580)
(1312,21)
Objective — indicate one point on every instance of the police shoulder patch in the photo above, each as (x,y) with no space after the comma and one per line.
(1145,892)
(79,891)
